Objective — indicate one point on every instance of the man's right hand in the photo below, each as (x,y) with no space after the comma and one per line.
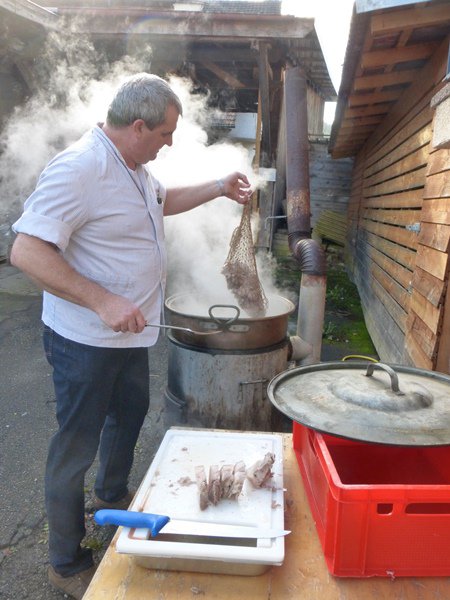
(120,314)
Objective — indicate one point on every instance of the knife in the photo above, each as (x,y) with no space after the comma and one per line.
(156,523)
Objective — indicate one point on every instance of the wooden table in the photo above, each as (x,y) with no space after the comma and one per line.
(303,575)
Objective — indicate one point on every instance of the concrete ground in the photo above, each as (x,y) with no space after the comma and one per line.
(26,424)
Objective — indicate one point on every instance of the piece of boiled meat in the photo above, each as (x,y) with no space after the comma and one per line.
(239,475)
(214,488)
(202,485)
(226,480)
(259,473)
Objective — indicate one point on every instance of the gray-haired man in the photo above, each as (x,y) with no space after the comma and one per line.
(91,235)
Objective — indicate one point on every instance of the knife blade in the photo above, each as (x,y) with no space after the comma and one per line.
(164,524)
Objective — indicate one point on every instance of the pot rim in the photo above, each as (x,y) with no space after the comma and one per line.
(290,307)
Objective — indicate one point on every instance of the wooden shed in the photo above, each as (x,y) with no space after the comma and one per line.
(235,51)
(393,117)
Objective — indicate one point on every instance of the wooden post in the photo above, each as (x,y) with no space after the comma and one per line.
(264,100)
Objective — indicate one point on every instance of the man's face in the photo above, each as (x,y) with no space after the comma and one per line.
(150,141)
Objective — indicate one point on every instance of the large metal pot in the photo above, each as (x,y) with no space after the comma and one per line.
(234,330)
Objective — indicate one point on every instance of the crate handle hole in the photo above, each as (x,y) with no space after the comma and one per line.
(428,508)
(385,508)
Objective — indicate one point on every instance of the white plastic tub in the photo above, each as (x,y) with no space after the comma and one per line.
(164,491)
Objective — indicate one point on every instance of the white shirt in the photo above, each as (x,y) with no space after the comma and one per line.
(107,222)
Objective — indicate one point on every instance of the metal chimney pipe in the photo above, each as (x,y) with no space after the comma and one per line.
(306,251)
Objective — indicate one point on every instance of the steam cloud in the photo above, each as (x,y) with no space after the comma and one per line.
(79,86)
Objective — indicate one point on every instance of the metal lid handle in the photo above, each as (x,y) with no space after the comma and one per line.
(392,374)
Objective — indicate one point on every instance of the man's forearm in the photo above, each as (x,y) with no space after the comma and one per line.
(41,261)
(180,200)
(234,186)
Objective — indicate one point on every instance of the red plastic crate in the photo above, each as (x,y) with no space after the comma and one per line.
(379,510)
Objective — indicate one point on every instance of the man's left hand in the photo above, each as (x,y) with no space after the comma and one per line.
(236,186)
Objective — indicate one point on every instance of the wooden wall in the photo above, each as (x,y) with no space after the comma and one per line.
(330,180)
(399,226)
(316,107)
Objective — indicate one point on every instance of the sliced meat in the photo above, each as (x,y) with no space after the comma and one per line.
(239,475)
(259,473)
(214,488)
(226,480)
(202,485)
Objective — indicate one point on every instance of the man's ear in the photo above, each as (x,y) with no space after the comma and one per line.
(138,126)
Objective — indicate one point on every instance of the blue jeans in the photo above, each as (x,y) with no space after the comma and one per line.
(102,397)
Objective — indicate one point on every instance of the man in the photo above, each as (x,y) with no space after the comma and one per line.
(92,237)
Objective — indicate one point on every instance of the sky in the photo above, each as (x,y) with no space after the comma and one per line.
(332,22)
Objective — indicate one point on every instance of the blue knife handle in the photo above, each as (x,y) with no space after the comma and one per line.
(129,518)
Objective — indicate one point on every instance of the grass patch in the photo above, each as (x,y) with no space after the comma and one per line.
(344,325)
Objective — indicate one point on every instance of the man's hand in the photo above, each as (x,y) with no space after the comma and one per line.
(120,314)
(236,186)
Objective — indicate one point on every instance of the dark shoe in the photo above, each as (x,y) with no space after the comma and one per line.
(121,504)
(74,586)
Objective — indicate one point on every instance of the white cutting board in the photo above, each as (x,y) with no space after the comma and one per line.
(166,490)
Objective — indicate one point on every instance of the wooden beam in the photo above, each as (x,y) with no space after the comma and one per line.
(373,98)
(362,111)
(189,24)
(222,74)
(31,11)
(410,17)
(257,156)
(416,97)
(385,79)
(392,56)
(264,96)
(350,128)
(361,121)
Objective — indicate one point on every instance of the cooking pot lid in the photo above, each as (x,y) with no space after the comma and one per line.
(375,402)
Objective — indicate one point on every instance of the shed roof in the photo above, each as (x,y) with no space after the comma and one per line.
(218,45)
(386,51)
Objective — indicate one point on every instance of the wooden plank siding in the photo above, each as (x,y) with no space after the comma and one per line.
(329,181)
(429,324)
(398,237)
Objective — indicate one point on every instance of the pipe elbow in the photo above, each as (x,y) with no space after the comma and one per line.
(309,254)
